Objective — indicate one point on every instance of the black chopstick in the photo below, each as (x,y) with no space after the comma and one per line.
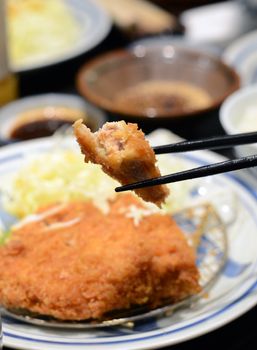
(211,169)
(208,143)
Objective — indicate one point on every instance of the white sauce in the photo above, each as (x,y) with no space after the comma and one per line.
(248,122)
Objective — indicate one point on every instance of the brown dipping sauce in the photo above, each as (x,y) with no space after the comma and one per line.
(159,97)
(42,122)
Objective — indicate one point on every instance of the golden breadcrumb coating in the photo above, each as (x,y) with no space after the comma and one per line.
(124,154)
(73,262)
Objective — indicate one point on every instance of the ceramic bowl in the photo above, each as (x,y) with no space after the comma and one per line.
(106,78)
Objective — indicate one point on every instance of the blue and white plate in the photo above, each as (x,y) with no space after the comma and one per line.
(242,55)
(232,294)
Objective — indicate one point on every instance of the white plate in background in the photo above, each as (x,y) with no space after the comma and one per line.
(94,25)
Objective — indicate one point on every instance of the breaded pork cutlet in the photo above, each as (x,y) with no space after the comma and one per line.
(124,154)
(73,262)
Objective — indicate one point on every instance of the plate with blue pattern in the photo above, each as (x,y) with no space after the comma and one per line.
(242,55)
(232,197)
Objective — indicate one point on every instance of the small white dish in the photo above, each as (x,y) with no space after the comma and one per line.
(10,112)
(238,114)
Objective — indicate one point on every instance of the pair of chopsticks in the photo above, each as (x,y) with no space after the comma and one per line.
(212,143)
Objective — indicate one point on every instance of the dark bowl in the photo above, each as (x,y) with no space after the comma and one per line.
(169,70)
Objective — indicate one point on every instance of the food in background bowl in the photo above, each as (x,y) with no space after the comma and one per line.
(40,122)
(42,115)
(156,76)
(165,86)
(157,97)
(35,30)
(47,32)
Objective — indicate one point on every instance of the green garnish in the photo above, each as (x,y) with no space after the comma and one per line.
(4,236)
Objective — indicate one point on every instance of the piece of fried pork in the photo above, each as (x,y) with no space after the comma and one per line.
(124,154)
(74,262)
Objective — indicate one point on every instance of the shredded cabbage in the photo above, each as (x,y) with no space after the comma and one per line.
(59,176)
(62,176)
(39,29)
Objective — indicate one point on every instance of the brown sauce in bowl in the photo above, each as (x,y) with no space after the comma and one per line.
(159,97)
(45,121)
(35,129)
